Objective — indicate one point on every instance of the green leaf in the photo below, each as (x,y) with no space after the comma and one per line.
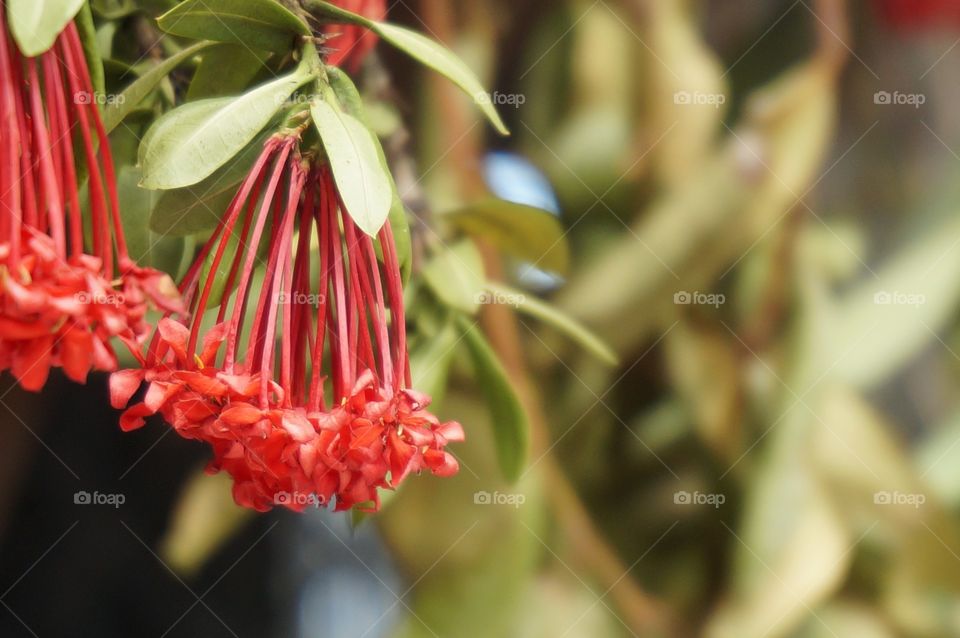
(185,211)
(35,24)
(442,60)
(225,69)
(363,184)
(191,142)
(456,277)
(523,231)
(541,310)
(349,98)
(894,315)
(511,428)
(91,52)
(133,95)
(346,92)
(424,50)
(259,24)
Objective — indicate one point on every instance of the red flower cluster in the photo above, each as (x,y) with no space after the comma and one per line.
(349,43)
(60,305)
(256,391)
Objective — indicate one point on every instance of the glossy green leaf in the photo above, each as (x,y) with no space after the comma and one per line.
(424,50)
(550,315)
(35,24)
(510,424)
(189,143)
(258,24)
(349,98)
(185,211)
(87,31)
(442,60)
(346,91)
(133,95)
(525,232)
(363,183)
(456,276)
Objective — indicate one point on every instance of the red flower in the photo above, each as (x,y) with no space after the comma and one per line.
(61,305)
(287,432)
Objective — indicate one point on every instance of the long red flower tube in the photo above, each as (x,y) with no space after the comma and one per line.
(303,389)
(60,304)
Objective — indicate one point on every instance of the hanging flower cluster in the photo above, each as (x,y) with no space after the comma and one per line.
(349,44)
(302,388)
(60,304)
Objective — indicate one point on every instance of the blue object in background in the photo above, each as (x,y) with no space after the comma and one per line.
(514,178)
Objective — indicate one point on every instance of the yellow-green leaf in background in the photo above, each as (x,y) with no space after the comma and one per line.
(525,232)
(510,424)
(455,275)
(552,316)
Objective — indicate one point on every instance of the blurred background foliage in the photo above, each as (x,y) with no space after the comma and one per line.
(781,461)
